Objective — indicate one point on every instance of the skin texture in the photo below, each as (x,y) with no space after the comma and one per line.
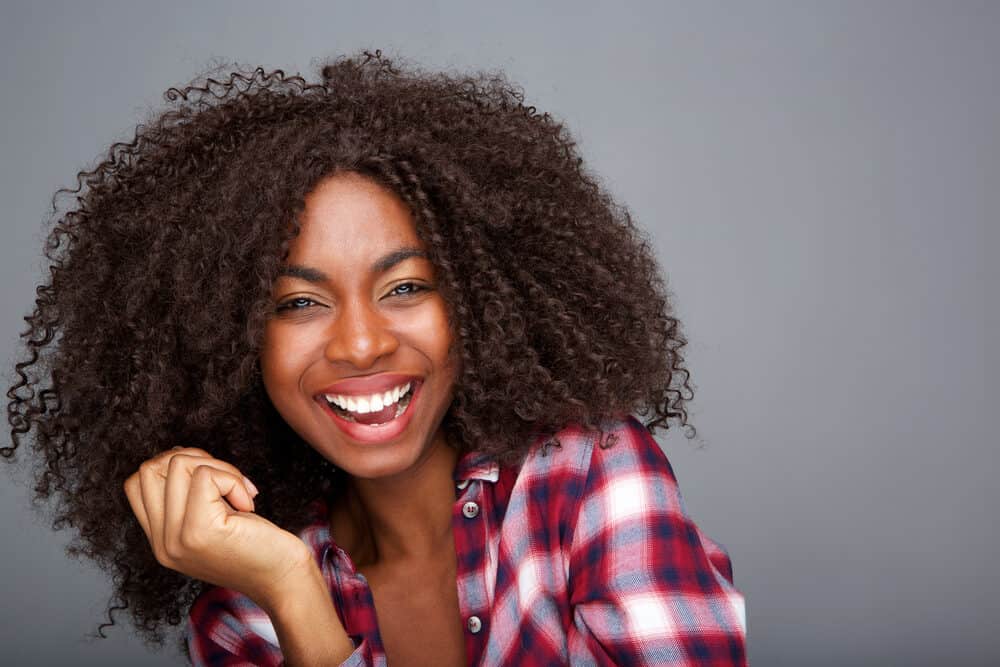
(148,331)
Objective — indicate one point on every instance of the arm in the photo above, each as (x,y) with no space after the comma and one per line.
(198,514)
(645,586)
(301,607)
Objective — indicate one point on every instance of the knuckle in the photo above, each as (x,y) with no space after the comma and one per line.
(202,471)
(190,451)
(204,475)
(176,462)
(229,469)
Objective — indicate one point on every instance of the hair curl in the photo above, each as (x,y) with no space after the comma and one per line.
(146,334)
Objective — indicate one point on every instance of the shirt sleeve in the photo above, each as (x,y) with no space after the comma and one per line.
(228,629)
(646,587)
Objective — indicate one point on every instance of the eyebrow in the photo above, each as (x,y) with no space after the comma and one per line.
(381,265)
(386,262)
(303,272)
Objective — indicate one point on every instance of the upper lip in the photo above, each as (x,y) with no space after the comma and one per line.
(368,384)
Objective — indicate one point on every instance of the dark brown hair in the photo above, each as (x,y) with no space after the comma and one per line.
(146,333)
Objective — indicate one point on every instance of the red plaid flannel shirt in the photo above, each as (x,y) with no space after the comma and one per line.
(582,555)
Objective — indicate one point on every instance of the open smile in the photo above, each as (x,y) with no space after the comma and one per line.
(372,409)
(378,415)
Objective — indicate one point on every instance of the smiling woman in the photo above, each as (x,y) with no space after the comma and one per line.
(358,353)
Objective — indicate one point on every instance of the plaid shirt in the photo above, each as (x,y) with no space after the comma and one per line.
(581,555)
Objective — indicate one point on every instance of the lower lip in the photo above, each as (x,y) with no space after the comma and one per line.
(375,434)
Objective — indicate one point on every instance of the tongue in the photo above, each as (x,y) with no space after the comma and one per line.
(380,417)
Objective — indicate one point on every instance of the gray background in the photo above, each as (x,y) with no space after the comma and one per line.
(821,183)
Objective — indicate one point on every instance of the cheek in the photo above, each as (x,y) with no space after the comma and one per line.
(279,363)
(446,351)
(432,335)
(282,367)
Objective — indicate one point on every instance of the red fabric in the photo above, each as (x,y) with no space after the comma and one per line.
(582,555)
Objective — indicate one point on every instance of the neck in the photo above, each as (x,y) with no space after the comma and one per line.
(407,516)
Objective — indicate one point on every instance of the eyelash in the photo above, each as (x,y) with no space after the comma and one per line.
(289,305)
(414,289)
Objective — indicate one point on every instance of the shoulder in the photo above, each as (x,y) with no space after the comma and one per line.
(607,488)
(619,447)
(581,477)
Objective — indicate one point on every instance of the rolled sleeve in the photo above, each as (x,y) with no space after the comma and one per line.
(228,629)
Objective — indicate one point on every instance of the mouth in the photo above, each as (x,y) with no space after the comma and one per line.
(372,409)
(373,418)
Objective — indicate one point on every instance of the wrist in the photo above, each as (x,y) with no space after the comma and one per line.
(305,620)
(303,580)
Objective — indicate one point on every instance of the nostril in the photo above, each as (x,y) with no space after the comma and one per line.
(360,346)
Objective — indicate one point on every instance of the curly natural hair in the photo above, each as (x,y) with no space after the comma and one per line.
(146,334)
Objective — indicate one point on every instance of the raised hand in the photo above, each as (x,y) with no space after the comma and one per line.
(197,512)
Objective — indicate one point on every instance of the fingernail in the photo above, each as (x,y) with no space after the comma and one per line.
(250,487)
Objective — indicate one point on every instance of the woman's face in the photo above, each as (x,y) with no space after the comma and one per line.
(357,357)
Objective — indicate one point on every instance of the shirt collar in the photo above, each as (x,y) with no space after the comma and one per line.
(477,466)
(471,466)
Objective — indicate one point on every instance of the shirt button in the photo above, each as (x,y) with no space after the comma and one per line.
(471,511)
(464,483)
(475,625)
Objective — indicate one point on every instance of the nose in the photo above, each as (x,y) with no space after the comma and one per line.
(359,336)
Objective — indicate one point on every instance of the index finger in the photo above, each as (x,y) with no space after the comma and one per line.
(178,488)
(206,507)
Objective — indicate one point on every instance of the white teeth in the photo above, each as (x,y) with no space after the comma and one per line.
(365,404)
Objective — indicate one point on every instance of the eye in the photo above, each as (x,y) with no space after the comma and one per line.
(407,289)
(298,303)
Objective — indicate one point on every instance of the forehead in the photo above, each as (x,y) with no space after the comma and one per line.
(348,219)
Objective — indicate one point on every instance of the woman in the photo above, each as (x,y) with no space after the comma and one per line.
(363,354)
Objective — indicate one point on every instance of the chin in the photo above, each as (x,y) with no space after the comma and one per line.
(384,462)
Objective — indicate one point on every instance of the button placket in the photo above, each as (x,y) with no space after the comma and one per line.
(472,542)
